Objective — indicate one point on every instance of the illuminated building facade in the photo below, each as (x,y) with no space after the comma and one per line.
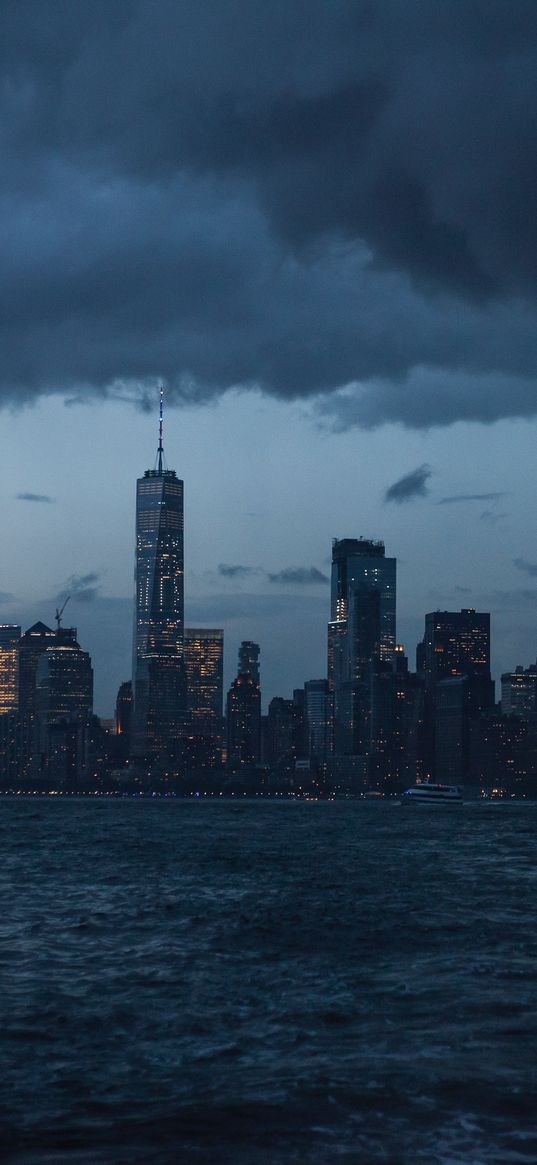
(455,658)
(204,662)
(33,643)
(9,667)
(249,659)
(243,722)
(9,702)
(457,643)
(318,715)
(361,635)
(123,720)
(159,686)
(243,710)
(519,692)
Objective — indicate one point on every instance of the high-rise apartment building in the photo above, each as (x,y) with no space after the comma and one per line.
(159,686)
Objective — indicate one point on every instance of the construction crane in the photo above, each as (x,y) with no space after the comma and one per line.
(59,612)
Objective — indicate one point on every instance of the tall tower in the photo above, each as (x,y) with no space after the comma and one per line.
(158,665)
(361,634)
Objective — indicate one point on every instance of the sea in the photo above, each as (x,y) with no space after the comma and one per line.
(206,981)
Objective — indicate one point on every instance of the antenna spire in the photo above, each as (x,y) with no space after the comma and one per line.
(160,428)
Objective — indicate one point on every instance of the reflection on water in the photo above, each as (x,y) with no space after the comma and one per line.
(290,983)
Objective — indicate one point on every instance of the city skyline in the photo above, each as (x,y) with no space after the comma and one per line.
(243,598)
(315,225)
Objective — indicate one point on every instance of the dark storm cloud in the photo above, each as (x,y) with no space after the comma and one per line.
(527,567)
(492,497)
(298,575)
(234,571)
(6,597)
(334,201)
(412,485)
(81,588)
(29,497)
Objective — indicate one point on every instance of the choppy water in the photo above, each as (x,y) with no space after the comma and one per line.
(267,982)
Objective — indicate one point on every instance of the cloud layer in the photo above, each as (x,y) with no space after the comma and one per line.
(329,201)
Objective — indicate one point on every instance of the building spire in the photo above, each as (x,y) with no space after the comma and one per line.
(160,450)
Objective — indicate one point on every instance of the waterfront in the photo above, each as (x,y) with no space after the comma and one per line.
(271,981)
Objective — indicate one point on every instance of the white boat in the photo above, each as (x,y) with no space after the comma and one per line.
(431,793)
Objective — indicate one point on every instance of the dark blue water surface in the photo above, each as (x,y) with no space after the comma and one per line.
(267,982)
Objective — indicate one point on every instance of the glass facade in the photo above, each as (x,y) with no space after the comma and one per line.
(361,635)
(362,606)
(158,664)
(204,661)
(9,667)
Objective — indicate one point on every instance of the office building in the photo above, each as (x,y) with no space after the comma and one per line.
(361,635)
(243,710)
(243,722)
(64,705)
(32,644)
(318,716)
(457,643)
(159,682)
(10,635)
(204,663)
(249,659)
(9,702)
(519,692)
(456,646)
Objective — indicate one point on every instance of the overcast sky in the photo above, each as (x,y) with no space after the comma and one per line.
(316,223)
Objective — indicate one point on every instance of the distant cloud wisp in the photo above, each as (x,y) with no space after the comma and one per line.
(525,566)
(234,571)
(29,497)
(491,497)
(412,485)
(82,588)
(298,575)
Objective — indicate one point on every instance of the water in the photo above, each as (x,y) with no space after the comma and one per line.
(267,982)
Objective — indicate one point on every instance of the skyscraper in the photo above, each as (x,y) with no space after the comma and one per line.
(249,659)
(456,669)
(159,690)
(457,643)
(318,712)
(33,643)
(204,662)
(64,703)
(9,701)
(9,667)
(361,634)
(243,710)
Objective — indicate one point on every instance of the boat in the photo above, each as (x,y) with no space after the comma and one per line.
(432,793)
